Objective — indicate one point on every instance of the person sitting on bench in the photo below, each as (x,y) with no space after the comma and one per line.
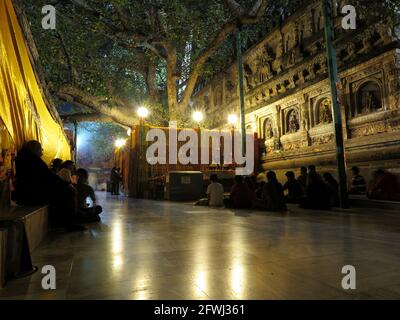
(37,185)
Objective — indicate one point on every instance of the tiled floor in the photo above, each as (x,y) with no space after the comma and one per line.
(165,250)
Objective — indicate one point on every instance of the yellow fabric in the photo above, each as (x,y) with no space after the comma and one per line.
(22,107)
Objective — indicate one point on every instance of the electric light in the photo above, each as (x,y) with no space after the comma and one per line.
(119,143)
(232,119)
(143,112)
(197,116)
(129,132)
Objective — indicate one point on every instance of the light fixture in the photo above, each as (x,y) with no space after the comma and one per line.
(197,116)
(232,119)
(143,112)
(129,132)
(119,143)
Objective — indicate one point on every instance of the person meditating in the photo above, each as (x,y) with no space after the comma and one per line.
(67,171)
(84,191)
(293,187)
(273,194)
(215,192)
(240,196)
(35,184)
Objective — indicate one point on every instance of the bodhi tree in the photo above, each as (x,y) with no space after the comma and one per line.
(114,55)
(110,56)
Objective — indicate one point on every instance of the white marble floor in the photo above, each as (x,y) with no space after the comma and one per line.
(164,250)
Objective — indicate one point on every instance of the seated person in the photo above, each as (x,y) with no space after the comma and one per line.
(215,192)
(240,196)
(384,186)
(333,188)
(312,171)
(303,178)
(251,184)
(84,191)
(358,184)
(273,194)
(66,171)
(261,181)
(317,194)
(293,187)
(35,184)
(55,165)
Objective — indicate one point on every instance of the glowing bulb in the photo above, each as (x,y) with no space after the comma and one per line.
(143,112)
(197,116)
(119,143)
(232,119)
(129,132)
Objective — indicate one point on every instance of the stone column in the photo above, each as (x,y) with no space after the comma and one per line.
(277,127)
(305,121)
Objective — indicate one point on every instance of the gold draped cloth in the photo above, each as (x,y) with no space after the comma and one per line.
(22,107)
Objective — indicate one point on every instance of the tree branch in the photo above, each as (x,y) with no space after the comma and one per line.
(122,114)
(72,71)
(231,26)
(89,117)
(235,8)
(226,29)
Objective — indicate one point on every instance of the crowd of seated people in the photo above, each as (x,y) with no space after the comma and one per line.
(310,190)
(61,187)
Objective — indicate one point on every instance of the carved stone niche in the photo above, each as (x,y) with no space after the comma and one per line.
(323,112)
(292,121)
(269,134)
(367,97)
(268,129)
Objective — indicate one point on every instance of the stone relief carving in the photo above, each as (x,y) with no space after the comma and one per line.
(293,145)
(369,98)
(279,67)
(350,52)
(325,111)
(370,129)
(293,124)
(310,72)
(385,34)
(322,139)
(366,44)
(268,129)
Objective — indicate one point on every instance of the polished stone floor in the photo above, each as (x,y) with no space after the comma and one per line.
(165,250)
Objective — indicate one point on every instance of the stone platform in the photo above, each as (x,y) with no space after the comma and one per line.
(165,250)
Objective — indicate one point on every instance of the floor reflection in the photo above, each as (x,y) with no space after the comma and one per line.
(166,250)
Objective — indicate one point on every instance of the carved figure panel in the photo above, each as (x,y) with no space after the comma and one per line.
(324,112)
(369,98)
(292,121)
(268,129)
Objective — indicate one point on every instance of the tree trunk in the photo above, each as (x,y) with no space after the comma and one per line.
(171,83)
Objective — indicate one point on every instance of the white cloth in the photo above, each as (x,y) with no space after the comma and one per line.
(215,192)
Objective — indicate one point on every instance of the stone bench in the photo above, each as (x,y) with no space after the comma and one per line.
(35,222)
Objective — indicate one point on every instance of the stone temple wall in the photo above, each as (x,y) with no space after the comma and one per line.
(288,102)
